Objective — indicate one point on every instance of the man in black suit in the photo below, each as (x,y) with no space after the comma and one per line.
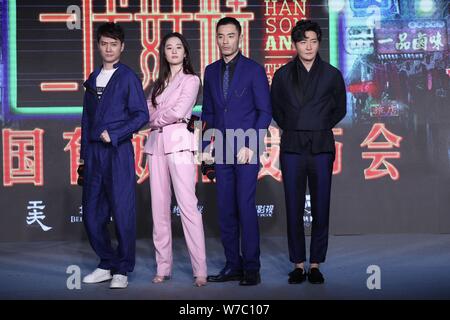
(308,99)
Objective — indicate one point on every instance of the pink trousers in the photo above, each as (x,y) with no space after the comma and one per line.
(179,168)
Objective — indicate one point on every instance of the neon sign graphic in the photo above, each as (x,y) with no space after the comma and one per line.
(149,15)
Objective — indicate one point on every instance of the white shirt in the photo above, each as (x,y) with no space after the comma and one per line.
(102,80)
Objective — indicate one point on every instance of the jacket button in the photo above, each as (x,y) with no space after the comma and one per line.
(225,110)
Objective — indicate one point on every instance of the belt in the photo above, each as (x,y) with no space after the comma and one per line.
(176,122)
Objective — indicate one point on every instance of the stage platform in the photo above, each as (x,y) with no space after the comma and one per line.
(413,266)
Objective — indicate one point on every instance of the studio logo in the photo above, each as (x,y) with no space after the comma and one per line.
(177,211)
(77,218)
(265,211)
(307,217)
(36,214)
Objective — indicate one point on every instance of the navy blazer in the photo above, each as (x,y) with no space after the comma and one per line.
(122,109)
(248,102)
(323,105)
(325,101)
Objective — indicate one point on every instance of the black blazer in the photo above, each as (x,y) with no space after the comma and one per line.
(323,105)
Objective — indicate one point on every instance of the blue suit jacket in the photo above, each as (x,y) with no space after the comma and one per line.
(122,109)
(248,102)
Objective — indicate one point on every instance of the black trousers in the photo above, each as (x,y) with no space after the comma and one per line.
(316,169)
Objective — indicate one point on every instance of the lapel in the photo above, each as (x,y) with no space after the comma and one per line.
(172,86)
(236,75)
(234,80)
(89,84)
(310,87)
(295,80)
(101,107)
(219,82)
(313,80)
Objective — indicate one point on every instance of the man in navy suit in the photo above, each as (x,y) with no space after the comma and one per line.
(114,108)
(309,99)
(236,103)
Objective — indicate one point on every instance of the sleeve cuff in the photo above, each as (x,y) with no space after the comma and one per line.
(114,139)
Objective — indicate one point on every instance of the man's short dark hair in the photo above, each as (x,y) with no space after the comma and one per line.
(111,30)
(229,20)
(298,32)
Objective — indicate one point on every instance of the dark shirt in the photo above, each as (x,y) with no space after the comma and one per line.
(301,141)
(303,77)
(232,65)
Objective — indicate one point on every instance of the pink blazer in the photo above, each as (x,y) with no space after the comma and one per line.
(174,103)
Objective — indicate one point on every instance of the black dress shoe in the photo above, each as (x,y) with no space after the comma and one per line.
(226,275)
(251,278)
(297,275)
(315,276)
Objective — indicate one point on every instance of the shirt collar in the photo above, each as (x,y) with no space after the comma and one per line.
(115,65)
(301,67)
(233,61)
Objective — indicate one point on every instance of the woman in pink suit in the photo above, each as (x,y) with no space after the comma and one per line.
(170,148)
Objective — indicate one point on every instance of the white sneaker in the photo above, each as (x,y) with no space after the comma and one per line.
(98,275)
(119,281)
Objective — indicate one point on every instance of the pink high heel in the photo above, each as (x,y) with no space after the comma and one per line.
(200,281)
(160,279)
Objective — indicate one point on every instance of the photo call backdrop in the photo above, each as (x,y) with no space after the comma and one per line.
(392,168)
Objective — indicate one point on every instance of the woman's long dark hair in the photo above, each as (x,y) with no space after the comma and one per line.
(164,67)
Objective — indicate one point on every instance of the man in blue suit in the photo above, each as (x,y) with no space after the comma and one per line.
(114,108)
(236,103)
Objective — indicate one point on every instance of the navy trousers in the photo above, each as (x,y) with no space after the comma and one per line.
(109,191)
(238,219)
(297,170)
